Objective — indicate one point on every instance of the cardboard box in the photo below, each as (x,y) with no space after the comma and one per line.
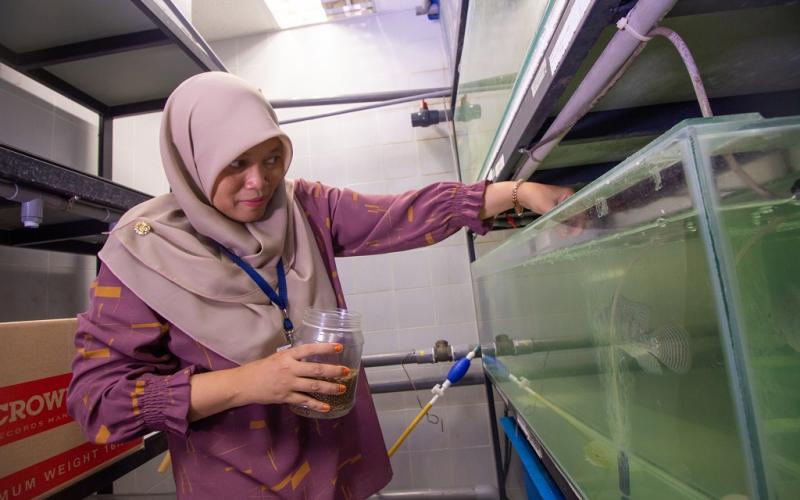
(41,448)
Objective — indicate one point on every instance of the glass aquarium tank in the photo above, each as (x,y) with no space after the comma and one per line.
(648,330)
(502,40)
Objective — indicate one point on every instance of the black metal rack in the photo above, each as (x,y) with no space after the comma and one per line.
(744,49)
(65,231)
(115,57)
(740,47)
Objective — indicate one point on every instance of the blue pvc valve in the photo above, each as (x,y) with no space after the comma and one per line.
(458,370)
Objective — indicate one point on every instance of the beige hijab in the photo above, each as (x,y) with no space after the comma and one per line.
(177,267)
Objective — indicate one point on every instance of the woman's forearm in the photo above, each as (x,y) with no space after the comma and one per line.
(496,199)
(213,392)
(277,379)
(531,195)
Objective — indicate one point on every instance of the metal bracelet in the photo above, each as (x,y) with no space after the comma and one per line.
(515,198)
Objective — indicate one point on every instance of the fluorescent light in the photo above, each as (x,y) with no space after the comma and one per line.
(291,13)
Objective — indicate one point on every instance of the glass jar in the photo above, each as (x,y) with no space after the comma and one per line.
(334,326)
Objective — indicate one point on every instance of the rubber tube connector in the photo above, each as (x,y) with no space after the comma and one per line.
(458,370)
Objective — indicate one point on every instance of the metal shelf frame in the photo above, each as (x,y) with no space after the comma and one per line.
(547,84)
(170,28)
(540,90)
(21,169)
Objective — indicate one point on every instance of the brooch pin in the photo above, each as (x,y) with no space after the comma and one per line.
(142,228)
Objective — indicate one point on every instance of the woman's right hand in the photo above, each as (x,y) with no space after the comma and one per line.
(284,377)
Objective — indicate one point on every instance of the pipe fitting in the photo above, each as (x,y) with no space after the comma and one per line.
(427,117)
(442,351)
(32,213)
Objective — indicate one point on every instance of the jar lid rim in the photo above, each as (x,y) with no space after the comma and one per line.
(348,321)
(332,328)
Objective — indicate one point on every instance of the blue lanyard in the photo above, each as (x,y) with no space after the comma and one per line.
(280,299)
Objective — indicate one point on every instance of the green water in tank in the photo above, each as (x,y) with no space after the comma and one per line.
(662,303)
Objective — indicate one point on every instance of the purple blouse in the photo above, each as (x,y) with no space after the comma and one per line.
(131,373)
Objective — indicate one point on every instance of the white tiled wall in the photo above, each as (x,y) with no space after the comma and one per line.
(38,284)
(136,157)
(408,299)
(40,121)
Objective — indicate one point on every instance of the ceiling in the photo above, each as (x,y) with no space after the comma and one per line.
(222,19)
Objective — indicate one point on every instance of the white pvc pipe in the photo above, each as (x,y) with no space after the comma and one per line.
(608,68)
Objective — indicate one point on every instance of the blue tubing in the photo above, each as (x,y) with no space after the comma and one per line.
(458,370)
(538,483)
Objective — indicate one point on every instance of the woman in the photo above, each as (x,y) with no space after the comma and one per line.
(178,338)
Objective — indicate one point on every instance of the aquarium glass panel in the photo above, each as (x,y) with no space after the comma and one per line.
(498,40)
(604,324)
(752,185)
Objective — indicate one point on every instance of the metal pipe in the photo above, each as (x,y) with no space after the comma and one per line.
(459,351)
(20,194)
(477,492)
(608,68)
(391,102)
(420,383)
(436,354)
(353,98)
(397,358)
(389,98)
(487,84)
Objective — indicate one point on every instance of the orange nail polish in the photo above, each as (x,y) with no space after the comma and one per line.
(338,348)
(342,388)
(326,407)
(345,371)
